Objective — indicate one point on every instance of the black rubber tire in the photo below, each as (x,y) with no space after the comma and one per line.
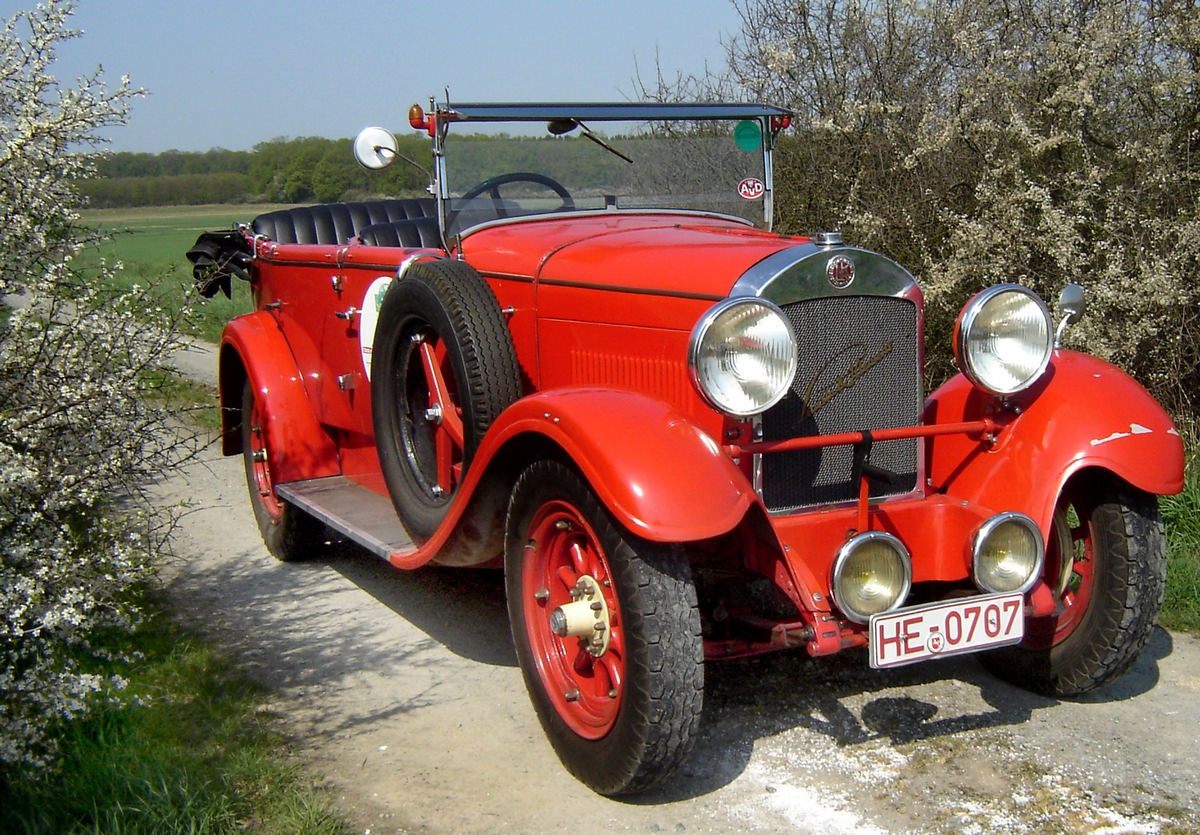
(289,533)
(445,302)
(662,651)
(1120,530)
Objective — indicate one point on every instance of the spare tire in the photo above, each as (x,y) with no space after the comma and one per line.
(443,368)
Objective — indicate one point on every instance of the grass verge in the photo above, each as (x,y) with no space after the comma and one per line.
(1181,609)
(189,749)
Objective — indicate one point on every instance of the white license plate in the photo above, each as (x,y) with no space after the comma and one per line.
(938,630)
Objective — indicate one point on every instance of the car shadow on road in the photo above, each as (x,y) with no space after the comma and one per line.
(851,705)
(839,697)
(462,608)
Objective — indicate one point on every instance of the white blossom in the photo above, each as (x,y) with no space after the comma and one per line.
(1041,141)
(77,435)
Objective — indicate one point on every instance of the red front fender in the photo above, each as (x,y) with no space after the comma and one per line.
(252,346)
(659,473)
(1084,413)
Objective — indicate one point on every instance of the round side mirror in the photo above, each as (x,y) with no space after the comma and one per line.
(375,148)
(1071,303)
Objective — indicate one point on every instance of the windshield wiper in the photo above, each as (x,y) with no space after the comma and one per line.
(558,127)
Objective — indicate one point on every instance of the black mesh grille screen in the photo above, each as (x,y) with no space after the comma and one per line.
(858,369)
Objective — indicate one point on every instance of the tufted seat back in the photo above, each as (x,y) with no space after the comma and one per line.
(337,223)
(418,232)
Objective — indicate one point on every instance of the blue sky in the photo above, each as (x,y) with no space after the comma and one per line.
(231,73)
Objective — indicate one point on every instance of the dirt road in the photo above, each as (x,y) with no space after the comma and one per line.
(401,691)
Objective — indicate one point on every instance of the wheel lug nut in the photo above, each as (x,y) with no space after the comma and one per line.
(571,695)
(562,525)
(541,595)
(597,606)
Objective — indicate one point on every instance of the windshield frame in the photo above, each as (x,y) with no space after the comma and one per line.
(443,116)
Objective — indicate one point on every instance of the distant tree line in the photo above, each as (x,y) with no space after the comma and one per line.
(307,169)
(317,170)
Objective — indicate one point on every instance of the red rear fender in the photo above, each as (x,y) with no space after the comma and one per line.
(253,347)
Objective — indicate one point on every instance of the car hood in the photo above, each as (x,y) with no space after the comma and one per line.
(689,255)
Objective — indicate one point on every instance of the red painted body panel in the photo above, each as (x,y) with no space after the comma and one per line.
(300,448)
(610,300)
(662,255)
(1083,413)
(659,473)
(313,284)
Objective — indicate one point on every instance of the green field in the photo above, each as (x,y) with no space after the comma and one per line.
(151,242)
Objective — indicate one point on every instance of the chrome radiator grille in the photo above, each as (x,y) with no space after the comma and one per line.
(859,368)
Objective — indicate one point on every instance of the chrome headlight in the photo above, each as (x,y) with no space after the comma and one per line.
(742,356)
(1003,339)
(1008,553)
(871,575)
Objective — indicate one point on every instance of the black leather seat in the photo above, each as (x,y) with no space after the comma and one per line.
(418,232)
(338,223)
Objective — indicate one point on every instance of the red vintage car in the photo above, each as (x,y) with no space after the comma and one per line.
(584,356)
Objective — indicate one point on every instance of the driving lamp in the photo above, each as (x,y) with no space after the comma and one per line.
(1008,554)
(742,356)
(871,575)
(1003,339)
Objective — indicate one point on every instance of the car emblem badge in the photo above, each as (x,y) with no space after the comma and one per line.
(840,271)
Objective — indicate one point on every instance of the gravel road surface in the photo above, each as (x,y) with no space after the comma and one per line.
(400,692)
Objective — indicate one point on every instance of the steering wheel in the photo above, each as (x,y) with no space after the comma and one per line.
(492,187)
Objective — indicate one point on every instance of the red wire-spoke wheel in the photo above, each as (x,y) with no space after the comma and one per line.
(607,632)
(258,467)
(288,532)
(573,620)
(1106,565)
(443,368)
(431,429)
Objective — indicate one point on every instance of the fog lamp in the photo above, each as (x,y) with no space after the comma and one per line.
(1008,554)
(871,575)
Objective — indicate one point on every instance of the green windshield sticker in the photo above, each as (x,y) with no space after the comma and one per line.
(748,135)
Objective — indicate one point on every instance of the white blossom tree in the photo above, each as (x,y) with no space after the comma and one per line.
(1039,141)
(78,434)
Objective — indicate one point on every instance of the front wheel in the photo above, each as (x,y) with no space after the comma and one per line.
(607,632)
(1107,566)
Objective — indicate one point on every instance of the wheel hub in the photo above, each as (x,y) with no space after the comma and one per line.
(585,617)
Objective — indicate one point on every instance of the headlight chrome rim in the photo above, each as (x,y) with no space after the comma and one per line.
(853,547)
(983,366)
(986,532)
(709,357)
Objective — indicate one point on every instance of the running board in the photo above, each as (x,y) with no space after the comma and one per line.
(351,509)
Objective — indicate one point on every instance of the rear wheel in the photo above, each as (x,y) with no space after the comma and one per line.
(1107,566)
(607,632)
(289,533)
